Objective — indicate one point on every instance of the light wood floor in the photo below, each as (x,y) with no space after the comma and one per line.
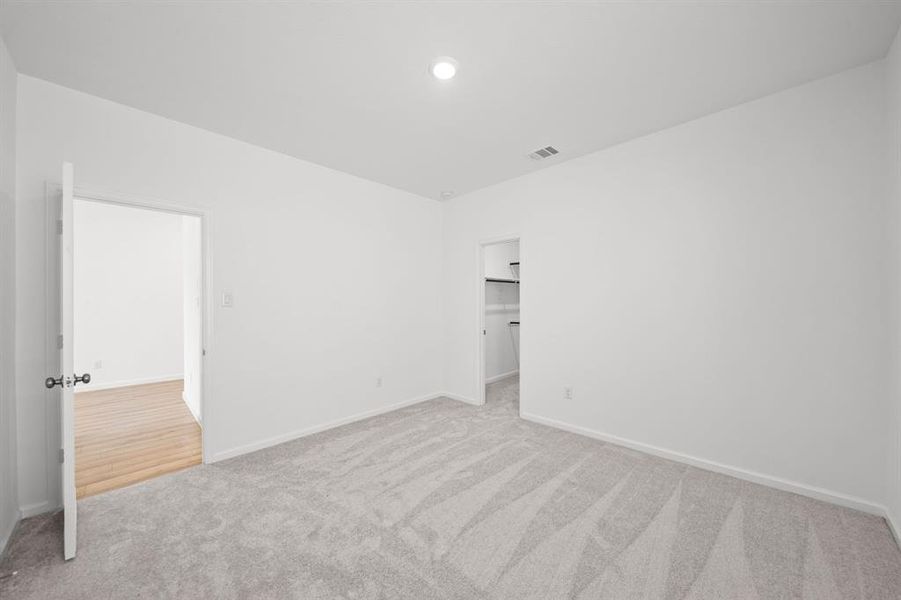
(129,434)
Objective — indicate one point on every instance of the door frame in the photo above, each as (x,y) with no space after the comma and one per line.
(480,304)
(51,312)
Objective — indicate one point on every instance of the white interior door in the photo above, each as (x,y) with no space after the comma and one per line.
(67,379)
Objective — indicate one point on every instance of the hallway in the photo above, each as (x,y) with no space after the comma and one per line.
(129,434)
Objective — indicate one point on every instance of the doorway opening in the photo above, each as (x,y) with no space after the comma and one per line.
(138,320)
(500,324)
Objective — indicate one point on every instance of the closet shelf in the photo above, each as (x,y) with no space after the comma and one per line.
(499,280)
(495,308)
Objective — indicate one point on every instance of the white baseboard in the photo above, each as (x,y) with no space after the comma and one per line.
(6,535)
(458,398)
(38,508)
(754,477)
(506,375)
(190,408)
(115,384)
(293,435)
(893,527)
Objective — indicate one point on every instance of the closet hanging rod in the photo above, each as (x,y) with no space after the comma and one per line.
(514,264)
(514,322)
(498,280)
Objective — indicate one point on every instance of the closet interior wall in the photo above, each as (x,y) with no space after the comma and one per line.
(501,310)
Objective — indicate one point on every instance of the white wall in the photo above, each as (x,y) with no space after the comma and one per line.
(335,279)
(498,258)
(128,300)
(192,270)
(501,307)
(893,154)
(716,289)
(9,507)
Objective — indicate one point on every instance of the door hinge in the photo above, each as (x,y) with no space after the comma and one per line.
(59,227)
(62,455)
(59,342)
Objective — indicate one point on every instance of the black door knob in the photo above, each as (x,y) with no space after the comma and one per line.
(50,382)
(86,378)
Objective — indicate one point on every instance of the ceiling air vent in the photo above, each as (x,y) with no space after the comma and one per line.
(543,153)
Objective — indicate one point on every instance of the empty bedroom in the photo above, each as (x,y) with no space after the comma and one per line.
(450,299)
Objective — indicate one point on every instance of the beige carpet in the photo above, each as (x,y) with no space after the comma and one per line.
(446,500)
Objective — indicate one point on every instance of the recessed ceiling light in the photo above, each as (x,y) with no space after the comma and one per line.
(447,194)
(443,67)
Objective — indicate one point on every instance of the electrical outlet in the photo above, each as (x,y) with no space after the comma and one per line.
(98,364)
(567,393)
(378,381)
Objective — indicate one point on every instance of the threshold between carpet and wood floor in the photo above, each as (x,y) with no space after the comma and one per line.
(446,500)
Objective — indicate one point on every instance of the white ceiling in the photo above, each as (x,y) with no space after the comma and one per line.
(346,84)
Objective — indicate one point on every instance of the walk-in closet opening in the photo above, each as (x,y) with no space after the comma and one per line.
(500,323)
